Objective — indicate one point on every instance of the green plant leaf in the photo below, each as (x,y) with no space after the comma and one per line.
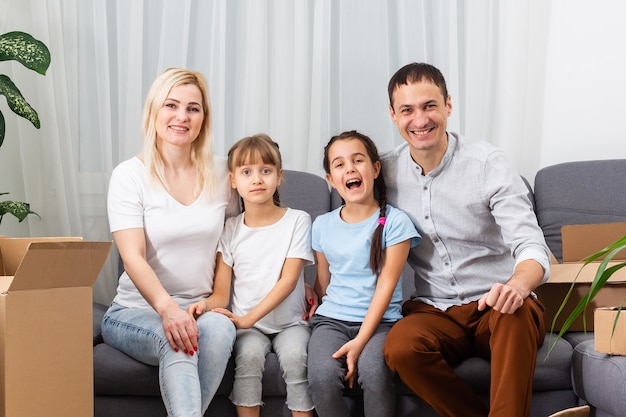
(16,208)
(17,102)
(2,128)
(22,47)
(602,275)
(619,311)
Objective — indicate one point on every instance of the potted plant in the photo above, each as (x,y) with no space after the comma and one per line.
(34,55)
(602,275)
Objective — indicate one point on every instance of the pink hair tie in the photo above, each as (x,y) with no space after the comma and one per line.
(382,221)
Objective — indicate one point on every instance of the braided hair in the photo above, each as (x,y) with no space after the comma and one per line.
(380,193)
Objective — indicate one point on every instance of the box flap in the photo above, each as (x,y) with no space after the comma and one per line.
(60,264)
(582,240)
(13,249)
(5,283)
(566,273)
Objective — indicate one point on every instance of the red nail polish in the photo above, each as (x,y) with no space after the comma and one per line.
(175,349)
(310,301)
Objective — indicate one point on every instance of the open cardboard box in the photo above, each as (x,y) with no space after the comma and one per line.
(580,241)
(606,340)
(46,342)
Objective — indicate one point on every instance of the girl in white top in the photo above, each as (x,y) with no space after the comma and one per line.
(264,250)
(166,210)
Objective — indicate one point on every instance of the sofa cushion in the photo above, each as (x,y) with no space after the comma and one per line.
(118,374)
(581,192)
(115,373)
(553,372)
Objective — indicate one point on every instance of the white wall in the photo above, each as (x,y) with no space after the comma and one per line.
(585,89)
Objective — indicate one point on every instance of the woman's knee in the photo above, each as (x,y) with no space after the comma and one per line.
(216,327)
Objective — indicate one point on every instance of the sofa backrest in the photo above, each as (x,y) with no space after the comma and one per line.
(581,192)
(311,193)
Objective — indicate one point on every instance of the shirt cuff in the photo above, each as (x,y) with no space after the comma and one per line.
(537,255)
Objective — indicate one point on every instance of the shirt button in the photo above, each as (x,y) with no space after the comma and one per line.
(427,217)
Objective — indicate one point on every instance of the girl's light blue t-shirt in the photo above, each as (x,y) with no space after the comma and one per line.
(346,247)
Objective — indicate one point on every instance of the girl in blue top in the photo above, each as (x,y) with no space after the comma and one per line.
(361,249)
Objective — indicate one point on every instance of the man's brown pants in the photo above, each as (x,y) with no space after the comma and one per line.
(424,346)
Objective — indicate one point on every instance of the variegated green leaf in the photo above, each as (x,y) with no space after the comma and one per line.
(16,208)
(22,47)
(17,102)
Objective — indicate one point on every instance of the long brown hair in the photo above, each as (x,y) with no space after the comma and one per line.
(377,253)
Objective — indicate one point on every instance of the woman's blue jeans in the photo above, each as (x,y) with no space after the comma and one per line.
(188,383)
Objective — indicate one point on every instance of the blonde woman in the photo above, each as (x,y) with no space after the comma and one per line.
(167,208)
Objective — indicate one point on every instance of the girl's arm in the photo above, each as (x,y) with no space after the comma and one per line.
(323,274)
(180,328)
(395,259)
(292,268)
(220,297)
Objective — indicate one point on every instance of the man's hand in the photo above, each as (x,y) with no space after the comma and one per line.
(507,298)
(503,298)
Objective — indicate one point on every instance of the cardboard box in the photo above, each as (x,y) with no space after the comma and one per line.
(46,342)
(607,341)
(580,241)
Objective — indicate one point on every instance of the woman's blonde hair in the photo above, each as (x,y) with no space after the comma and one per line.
(201,148)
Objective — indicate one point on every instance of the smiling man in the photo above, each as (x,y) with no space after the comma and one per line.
(482,254)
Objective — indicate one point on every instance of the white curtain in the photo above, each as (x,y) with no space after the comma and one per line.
(300,71)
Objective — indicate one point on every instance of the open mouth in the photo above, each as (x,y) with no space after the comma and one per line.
(353,183)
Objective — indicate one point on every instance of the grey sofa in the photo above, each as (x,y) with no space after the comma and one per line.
(580,193)
(125,387)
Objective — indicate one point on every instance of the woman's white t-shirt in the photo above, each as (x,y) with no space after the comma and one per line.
(181,241)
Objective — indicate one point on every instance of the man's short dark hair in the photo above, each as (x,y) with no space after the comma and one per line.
(415,72)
